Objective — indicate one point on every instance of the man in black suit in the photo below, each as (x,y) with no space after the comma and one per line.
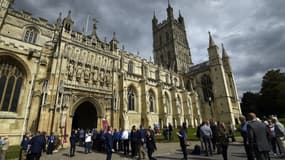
(258,138)
(37,144)
(109,142)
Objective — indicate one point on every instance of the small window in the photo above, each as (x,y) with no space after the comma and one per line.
(130,67)
(131,99)
(151,102)
(31,35)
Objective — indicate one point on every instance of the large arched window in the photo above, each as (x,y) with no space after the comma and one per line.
(151,102)
(131,99)
(130,67)
(207,87)
(30,35)
(11,80)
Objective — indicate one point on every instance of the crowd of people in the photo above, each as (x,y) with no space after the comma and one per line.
(262,136)
(259,138)
(137,142)
(214,137)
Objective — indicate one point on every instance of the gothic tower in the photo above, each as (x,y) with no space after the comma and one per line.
(170,45)
(222,101)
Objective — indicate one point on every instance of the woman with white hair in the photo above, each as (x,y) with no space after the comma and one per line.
(280,134)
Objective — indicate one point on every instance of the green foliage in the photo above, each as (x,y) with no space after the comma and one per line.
(271,98)
(13,152)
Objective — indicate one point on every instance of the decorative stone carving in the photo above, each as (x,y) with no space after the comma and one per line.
(87,74)
(95,75)
(70,70)
(79,72)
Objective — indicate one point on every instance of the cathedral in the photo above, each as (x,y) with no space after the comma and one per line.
(54,79)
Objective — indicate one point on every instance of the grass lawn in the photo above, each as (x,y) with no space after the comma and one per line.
(13,152)
(191,136)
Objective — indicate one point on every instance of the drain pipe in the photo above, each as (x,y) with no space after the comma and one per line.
(34,73)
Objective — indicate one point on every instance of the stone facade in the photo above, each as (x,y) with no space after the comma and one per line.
(50,75)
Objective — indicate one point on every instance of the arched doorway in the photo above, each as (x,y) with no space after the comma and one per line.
(85,116)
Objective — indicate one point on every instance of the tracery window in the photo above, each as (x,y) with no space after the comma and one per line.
(11,80)
(151,102)
(207,88)
(130,67)
(131,99)
(31,34)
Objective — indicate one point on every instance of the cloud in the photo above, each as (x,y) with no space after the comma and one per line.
(253,31)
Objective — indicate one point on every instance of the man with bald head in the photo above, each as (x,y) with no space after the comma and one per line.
(258,138)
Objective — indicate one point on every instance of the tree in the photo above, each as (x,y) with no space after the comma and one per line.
(271,98)
(249,102)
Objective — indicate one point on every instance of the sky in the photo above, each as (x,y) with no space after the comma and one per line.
(253,31)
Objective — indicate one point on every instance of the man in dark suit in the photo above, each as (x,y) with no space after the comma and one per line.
(109,142)
(37,144)
(258,138)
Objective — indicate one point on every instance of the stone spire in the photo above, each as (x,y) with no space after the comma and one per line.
(68,22)
(59,21)
(169,11)
(211,41)
(180,18)
(224,52)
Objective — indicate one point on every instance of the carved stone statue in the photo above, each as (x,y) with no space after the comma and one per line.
(70,70)
(79,72)
(87,74)
(63,117)
(95,75)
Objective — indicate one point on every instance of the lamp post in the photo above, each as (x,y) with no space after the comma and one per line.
(211,109)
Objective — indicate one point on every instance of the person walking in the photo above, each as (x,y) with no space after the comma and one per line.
(183,141)
(51,140)
(150,144)
(258,138)
(206,134)
(109,142)
(73,140)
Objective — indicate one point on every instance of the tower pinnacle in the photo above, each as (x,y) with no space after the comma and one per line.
(224,52)
(211,41)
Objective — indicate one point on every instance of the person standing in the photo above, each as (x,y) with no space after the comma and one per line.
(222,140)
(206,134)
(24,147)
(72,140)
(183,142)
(243,133)
(5,146)
(134,140)
(81,137)
(170,130)
(280,135)
(213,127)
(109,142)
(141,141)
(88,141)
(125,141)
(273,136)
(258,138)
(116,137)
(150,145)
(51,140)
(36,145)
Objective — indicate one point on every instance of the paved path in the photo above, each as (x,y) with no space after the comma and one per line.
(166,151)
